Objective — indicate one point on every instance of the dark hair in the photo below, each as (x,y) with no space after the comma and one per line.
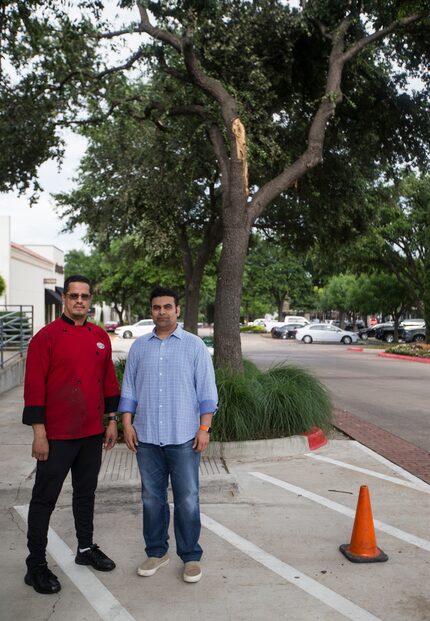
(76,278)
(158,292)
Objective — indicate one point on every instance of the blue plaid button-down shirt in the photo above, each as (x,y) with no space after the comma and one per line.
(168,383)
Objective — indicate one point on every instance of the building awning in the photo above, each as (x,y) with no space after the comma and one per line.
(59,290)
(52,297)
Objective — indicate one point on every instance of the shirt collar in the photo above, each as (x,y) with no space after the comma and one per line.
(70,321)
(178,332)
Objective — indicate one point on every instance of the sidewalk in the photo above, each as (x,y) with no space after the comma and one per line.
(405,454)
(272,526)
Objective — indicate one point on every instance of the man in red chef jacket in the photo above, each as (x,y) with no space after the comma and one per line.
(70,383)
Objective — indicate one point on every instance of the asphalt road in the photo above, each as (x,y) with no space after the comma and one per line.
(393,394)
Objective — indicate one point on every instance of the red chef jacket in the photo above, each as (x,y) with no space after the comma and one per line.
(69,380)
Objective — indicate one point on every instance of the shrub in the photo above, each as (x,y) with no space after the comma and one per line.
(119,365)
(256,329)
(281,402)
(256,405)
(417,350)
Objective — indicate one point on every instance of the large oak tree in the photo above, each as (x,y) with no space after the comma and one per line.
(254,73)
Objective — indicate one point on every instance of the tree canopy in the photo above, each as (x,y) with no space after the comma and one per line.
(271,108)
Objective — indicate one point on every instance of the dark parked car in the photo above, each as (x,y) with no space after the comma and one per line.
(414,335)
(288,331)
(365,333)
(111,326)
(348,325)
(412,326)
(386,333)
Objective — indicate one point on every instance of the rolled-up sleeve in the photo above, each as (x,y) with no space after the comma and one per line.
(204,377)
(128,400)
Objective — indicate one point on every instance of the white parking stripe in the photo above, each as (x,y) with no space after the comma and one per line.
(371,473)
(404,473)
(332,599)
(97,595)
(330,504)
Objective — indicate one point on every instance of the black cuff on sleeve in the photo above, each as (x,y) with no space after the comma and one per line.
(33,414)
(111,404)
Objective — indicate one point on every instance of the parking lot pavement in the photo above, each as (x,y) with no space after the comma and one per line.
(271,549)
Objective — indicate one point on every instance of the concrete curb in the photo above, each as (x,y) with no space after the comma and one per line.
(254,450)
(400,357)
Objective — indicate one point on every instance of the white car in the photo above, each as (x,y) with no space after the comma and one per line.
(257,322)
(325,333)
(137,329)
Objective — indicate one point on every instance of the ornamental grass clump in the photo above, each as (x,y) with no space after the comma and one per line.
(119,366)
(280,402)
(240,398)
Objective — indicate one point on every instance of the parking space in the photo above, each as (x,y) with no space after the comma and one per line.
(271,550)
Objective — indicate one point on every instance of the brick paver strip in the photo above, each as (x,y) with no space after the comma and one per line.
(405,454)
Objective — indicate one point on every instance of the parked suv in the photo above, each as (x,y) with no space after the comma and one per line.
(414,335)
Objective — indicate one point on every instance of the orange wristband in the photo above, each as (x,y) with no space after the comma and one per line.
(204,428)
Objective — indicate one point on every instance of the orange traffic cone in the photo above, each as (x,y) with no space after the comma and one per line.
(363,548)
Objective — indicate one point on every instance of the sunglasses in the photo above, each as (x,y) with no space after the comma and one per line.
(76,296)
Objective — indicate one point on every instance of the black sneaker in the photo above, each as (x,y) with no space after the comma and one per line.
(42,579)
(96,558)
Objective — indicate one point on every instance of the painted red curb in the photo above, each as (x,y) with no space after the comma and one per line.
(354,349)
(316,438)
(400,357)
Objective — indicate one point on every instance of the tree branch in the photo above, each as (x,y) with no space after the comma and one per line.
(184,46)
(332,97)
(129,63)
(218,144)
(117,33)
(157,33)
(322,28)
(97,76)
(314,150)
(379,34)
(178,75)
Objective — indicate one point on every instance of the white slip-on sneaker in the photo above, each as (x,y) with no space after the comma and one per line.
(152,565)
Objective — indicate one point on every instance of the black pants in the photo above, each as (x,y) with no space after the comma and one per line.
(83,458)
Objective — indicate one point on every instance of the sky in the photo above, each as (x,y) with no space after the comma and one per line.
(40,224)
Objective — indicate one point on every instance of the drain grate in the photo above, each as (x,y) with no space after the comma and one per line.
(121,465)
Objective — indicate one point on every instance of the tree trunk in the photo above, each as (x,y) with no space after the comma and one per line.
(228,349)
(192,299)
(118,312)
(194,269)
(280,299)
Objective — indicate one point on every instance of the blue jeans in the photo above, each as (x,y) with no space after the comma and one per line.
(181,462)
